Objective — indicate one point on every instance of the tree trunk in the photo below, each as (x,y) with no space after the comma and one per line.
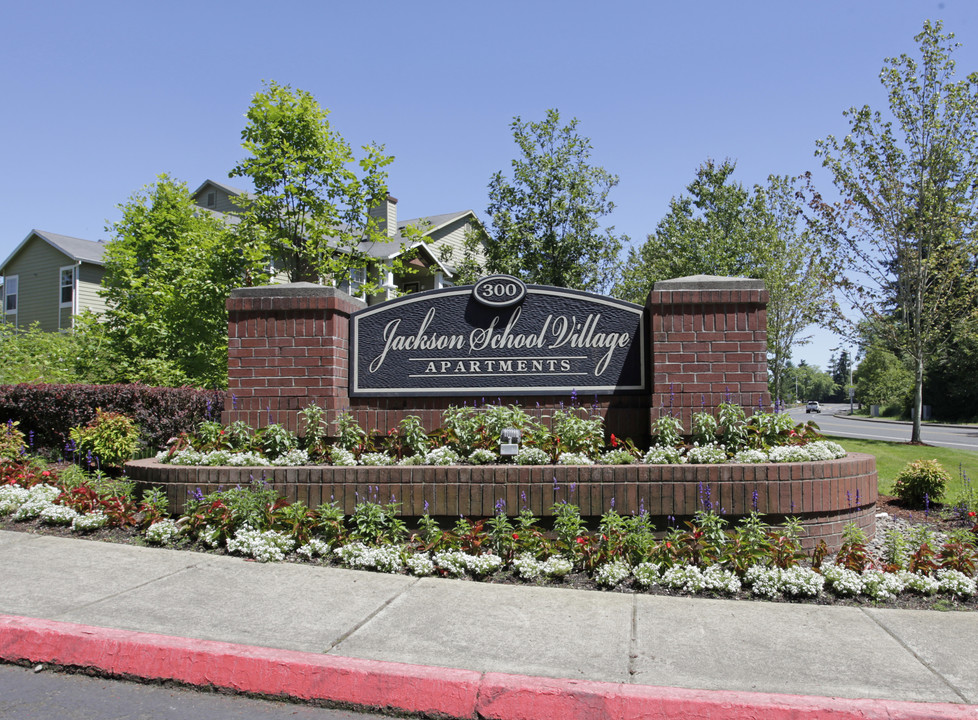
(918,399)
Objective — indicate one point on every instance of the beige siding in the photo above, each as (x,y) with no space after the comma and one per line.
(38,266)
(453,236)
(89,282)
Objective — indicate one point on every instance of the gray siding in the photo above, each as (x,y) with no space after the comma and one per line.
(223,201)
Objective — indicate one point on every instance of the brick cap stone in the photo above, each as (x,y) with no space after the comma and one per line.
(299,289)
(709,282)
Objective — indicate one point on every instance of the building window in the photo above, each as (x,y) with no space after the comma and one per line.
(67,286)
(358,276)
(10,294)
(210,199)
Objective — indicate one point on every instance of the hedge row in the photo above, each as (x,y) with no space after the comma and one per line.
(50,411)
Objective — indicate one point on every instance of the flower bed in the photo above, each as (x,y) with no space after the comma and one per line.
(825,495)
(710,555)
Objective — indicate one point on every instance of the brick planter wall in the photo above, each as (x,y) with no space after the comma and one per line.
(825,495)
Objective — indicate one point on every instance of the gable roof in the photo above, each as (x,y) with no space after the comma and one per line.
(435,222)
(77,249)
(229,189)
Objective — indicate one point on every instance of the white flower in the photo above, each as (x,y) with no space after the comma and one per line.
(162,532)
(362,557)
(442,456)
(57,515)
(376,458)
(314,548)
(341,457)
(420,565)
(569,458)
(709,454)
(647,573)
(663,455)
(292,458)
(919,583)
(532,456)
(12,497)
(482,456)
(262,546)
(955,582)
(750,456)
(612,573)
(841,580)
(789,453)
(89,521)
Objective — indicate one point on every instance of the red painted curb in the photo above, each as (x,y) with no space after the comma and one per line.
(244,668)
(417,688)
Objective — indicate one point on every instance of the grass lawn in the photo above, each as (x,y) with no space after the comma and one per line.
(892,457)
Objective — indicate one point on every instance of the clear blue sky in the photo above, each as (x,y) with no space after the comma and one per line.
(103,96)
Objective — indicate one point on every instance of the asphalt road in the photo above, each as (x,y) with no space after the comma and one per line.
(961,438)
(48,695)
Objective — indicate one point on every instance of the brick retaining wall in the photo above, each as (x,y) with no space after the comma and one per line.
(825,495)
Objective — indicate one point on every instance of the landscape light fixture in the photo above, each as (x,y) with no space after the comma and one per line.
(509,442)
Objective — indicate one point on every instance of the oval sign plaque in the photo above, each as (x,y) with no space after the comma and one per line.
(499,290)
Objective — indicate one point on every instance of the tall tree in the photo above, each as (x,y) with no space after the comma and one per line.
(798,277)
(169,270)
(722,228)
(545,219)
(312,197)
(717,228)
(909,187)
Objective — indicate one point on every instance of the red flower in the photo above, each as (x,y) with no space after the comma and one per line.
(614,441)
(668,545)
(45,473)
(971,514)
(516,536)
(604,537)
(581,541)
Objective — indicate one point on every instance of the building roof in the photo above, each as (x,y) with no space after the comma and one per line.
(79,250)
(229,189)
(434,222)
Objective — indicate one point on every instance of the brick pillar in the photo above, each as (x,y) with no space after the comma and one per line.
(709,343)
(288,346)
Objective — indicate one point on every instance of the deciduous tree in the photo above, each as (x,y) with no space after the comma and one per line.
(312,197)
(169,270)
(909,186)
(544,220)
(721,228)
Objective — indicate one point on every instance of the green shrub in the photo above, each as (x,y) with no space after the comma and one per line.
(11,441)
(111,438)
(921,481)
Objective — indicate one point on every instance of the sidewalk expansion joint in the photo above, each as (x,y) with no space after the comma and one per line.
(130,589)
(883,626)
(380,608)
(633,639)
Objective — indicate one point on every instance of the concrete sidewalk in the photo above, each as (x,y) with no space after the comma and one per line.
(467,649)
